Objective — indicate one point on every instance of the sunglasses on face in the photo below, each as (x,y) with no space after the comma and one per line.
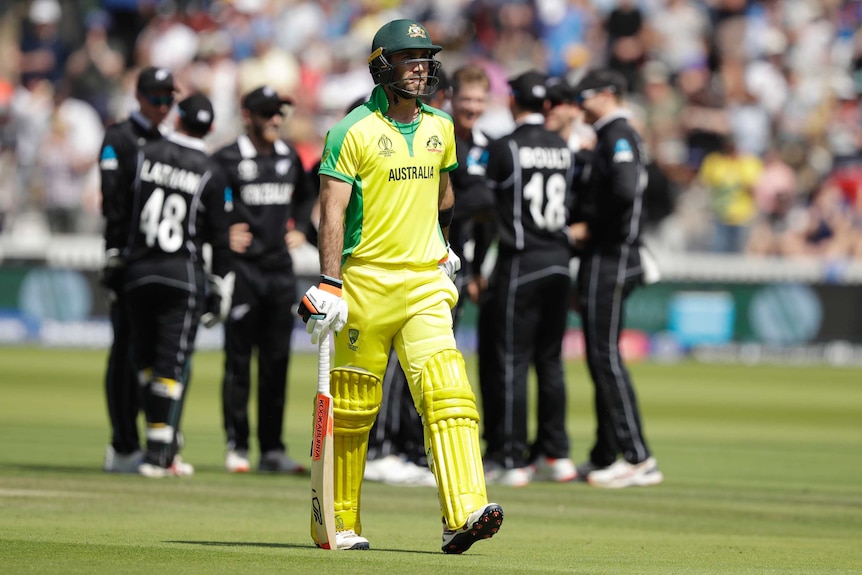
(267,114)
(158,101)
(587,94)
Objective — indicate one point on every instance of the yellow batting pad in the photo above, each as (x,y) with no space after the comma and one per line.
(451,421)
(356,396)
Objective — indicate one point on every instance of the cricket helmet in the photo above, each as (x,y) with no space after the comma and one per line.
(397,36)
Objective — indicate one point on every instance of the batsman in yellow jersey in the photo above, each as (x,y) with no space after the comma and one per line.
(386,204)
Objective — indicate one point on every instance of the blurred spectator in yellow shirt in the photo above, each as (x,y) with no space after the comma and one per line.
(729,177)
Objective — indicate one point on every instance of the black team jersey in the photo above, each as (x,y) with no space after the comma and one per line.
(610,189)
(474,201)
(531,171)
(267,192)
(122,142)
(176,204)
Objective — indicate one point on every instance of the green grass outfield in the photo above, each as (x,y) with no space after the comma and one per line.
(763,471)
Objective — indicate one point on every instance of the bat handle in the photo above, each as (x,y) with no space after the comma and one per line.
(323,365)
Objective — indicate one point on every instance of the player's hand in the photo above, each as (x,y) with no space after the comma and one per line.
(113,274)
(294,239)
(219,299)
(239,237)
(451,264)
(322,308)
(579,234)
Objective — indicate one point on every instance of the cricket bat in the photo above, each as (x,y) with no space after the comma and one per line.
(322,468)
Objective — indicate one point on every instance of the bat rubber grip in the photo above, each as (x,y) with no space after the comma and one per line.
(323,365)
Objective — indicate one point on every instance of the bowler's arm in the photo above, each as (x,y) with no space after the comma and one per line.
(334,197)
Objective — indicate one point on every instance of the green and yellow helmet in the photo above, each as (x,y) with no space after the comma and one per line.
(397,36)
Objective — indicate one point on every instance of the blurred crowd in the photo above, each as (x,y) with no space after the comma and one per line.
(750,109)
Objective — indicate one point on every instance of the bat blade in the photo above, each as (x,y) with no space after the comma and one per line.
(322,469)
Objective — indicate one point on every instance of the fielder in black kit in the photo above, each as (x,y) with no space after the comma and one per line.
(270,192)
(608,214)
(175,205)
(155,95)
(531,171)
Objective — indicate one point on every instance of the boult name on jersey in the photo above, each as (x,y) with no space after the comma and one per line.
(539,158)
(171,177)
(267,193)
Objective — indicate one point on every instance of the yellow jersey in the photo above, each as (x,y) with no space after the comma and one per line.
(731,179)
(394,170)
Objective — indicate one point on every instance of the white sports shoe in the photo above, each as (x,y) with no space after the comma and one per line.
(177,468)
(560,470)
(390,469)
(413,475)
(122,463)
(278,461)
(496,474)
(481,524)
(621,474)
(236,461)
(348,540)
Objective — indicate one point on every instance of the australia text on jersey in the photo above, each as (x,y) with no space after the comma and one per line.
(411,173)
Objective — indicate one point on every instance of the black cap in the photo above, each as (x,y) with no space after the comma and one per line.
(196,112)
(152,80)
(602,80)
(529,88)
(559,90)
(264,100)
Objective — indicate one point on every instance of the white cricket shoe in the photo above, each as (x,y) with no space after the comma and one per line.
(122,463)
(348,540)
(236,461)
(496,474)
(560,470)
(390,469)
(278,461)
(177,468)
(481,524)
(413,475)
(621,474)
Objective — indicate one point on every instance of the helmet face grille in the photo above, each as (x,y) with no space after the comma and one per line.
(384,74)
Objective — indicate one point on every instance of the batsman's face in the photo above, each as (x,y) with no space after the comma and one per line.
(468,105)
(411,69)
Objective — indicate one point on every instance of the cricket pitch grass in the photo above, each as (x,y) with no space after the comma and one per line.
(763,475)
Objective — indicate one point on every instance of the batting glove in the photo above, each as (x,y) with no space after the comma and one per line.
(451,264)
(219,299)
(322,308)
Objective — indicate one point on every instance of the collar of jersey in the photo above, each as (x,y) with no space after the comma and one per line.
(247,149)
(187,141)
(381,102)
(616,114)
(145,124)
(535,119)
